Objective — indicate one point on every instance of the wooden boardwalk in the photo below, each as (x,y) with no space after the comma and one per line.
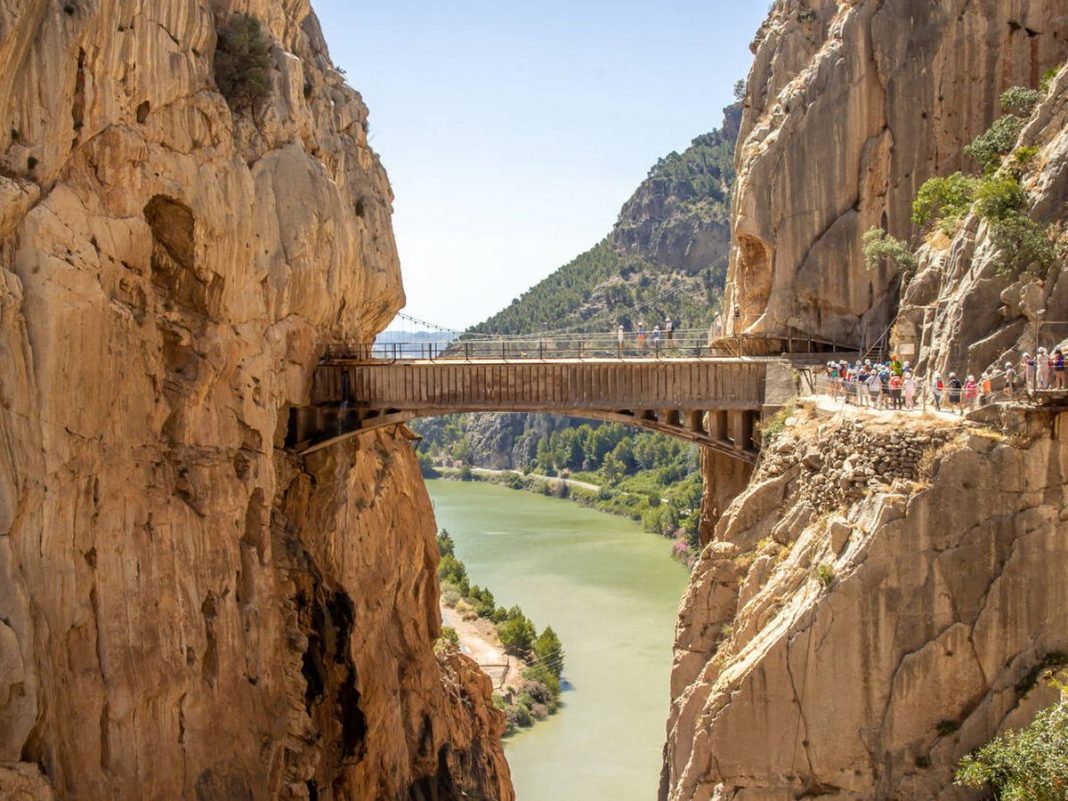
(715,402)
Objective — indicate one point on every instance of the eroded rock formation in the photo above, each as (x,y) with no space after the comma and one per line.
(873,607)
(851,106)
(185,610)
(967,309)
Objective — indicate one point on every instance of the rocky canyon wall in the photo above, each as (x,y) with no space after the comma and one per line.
(186,611)
(851,106)
(875,605)
(967,309)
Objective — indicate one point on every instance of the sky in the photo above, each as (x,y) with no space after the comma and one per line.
(512,132)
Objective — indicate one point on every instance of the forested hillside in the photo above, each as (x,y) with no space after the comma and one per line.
(665,257)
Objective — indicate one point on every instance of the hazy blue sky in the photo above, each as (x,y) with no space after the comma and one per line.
(513,131)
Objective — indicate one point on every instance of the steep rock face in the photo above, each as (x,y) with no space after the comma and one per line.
(186,611)
(851,106)
(872,608)
(679,224)
(964,310)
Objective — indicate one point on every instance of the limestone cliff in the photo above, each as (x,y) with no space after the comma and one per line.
(874,606)
(185,610)
(964,310)
(851,106)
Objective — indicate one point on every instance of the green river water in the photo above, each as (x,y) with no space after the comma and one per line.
(611,592)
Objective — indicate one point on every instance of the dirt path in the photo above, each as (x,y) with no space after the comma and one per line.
(478,639)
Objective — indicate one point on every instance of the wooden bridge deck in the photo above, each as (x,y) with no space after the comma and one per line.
(713,401)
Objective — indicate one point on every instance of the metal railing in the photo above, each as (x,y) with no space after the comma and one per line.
(683,344)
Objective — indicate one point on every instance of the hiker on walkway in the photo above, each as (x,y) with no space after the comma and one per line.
(955,392)
(621,336)
(971,392)
(669,329)
(910,391)
(896,382)
(641,335)
(1042,369)
(656,337)
(1029,364)
(832,377)
(986,389)
(874,388)
(863,398)
(884,389)
(1010,379)
(938,388)
(1058,370)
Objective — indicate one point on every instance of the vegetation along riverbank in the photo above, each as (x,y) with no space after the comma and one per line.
(529,688)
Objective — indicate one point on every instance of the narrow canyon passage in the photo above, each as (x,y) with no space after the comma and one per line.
(611,592)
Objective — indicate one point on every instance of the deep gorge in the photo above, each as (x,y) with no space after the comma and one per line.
(187,610)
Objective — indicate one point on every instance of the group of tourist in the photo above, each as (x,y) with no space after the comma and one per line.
(893,384)
(668,332)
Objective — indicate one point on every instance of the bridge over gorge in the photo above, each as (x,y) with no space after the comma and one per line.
(715,402)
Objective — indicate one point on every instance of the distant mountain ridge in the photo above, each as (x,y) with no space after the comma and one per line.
(666,256)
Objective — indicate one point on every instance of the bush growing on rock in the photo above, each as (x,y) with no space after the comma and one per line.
(243,63)
(1026,765)
(992,144)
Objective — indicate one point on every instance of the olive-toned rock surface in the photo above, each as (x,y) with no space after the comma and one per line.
(872,607)
(185,610)
(851,106)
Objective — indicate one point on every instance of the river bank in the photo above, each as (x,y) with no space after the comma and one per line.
(632,505)
(605,588)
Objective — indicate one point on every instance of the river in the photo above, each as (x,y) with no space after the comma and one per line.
(611,592)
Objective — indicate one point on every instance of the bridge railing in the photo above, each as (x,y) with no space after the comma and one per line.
(684,344)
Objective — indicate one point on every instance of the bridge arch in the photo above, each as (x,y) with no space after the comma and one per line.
(714,402)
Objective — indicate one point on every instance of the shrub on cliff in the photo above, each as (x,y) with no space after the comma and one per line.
(880,247)
(944,199)
(999,139)
(1026,765)
(243,63)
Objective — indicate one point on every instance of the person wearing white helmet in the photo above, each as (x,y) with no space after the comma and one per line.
(1028,363)
(1042,369)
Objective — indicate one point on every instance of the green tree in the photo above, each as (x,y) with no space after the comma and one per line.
(1019,100)
(446,547)
(243,63)
(451,571)
(549,651)
(944,199)
(880,247)
(1026,765)
(517,633)
(999,139)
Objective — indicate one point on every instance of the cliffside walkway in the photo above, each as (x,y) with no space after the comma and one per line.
(712,401)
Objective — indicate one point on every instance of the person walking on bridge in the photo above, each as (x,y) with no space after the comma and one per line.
(669,329)
(620,338)
(641,335)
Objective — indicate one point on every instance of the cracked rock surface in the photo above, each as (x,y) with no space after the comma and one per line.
(851,106)
(856,645)
(187,612)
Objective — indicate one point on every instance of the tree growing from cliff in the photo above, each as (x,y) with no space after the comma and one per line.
(880,248)
(1026,765)
(243,63)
